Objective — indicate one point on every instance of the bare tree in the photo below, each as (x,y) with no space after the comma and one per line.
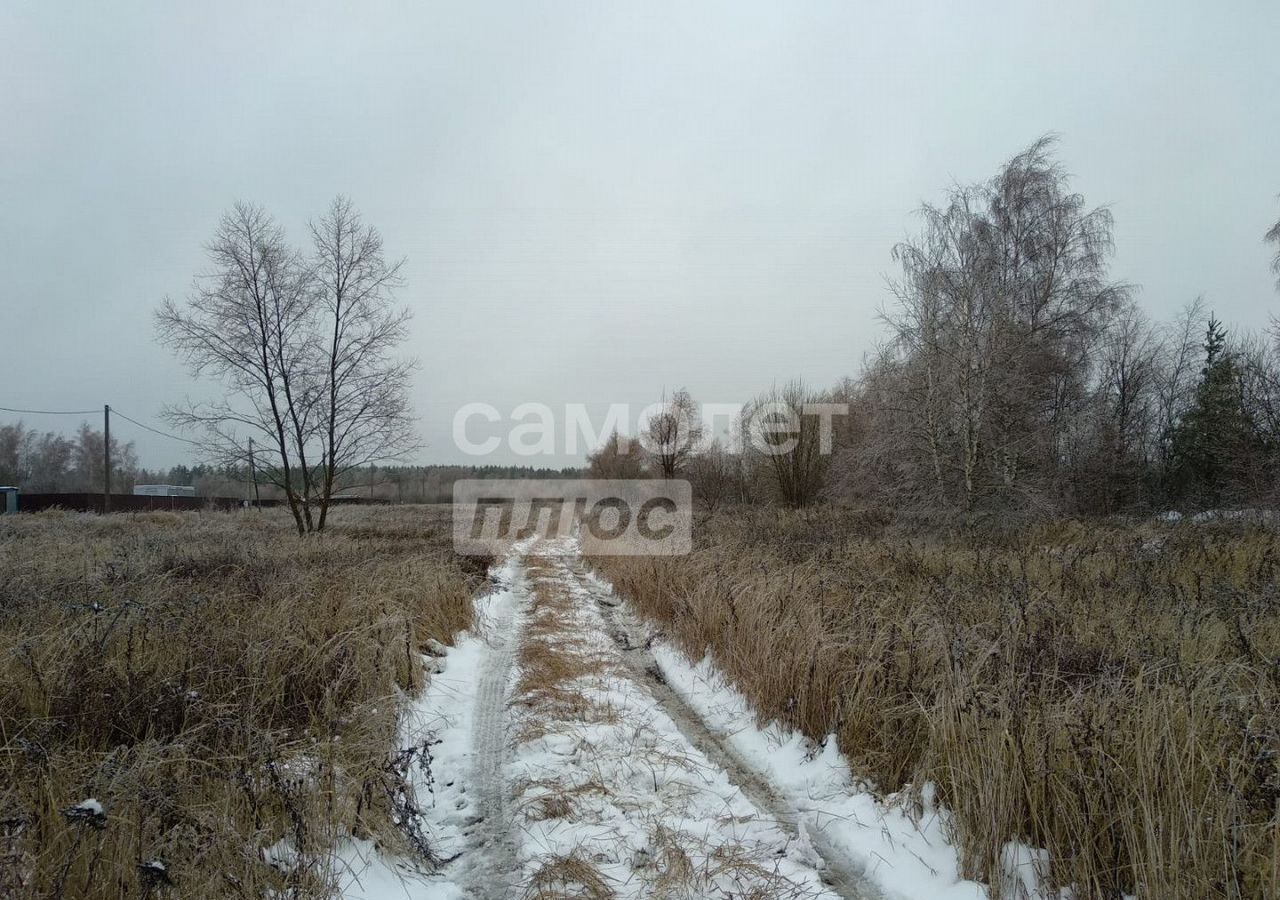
(304,348)
(1176,371)
(616,458)
(248,323)
(672,434)
(1258,357)
(1129,356)
(365,415)
(15,453)
(713,474)
(787,436)
(1273,237)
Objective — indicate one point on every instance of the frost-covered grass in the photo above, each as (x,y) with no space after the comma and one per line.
(1107,692)
(224,692)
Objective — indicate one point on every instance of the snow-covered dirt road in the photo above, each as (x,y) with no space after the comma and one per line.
(611,797)
(564,754)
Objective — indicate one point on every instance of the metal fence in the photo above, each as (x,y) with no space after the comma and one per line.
(88,502)
(83,502)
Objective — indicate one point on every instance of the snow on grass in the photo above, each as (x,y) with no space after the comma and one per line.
(905,858)
(611,799)
(363,873)
(436,740)
(89,807)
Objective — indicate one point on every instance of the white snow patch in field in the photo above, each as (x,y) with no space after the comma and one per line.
(365,874)
(905,858)
(1025,870)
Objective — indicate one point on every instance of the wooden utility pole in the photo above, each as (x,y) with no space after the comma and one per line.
(253,470)
(106,458)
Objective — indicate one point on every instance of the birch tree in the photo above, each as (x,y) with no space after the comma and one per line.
(247,323)
(305,348)
(365,416)
(1002,298)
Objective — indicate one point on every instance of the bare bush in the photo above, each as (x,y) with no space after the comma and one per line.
(714,475)
(618,457)
(789,438)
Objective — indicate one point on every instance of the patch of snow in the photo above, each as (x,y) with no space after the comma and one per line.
(89,807)
(1254,516)
(87,812)
(1025,869)
(904,857)
(436,737)
(363,873)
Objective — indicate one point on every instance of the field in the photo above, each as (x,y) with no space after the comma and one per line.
(232,698)
(1110,693)
(218,686)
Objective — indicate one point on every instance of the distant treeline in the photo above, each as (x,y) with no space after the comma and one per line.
(48,462)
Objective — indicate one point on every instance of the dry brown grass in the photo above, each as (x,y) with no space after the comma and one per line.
(218,683)
(552,660)
(1109,692)
(551,799)
(569,878)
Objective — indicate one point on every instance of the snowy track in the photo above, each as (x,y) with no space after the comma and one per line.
(492,838)
(838,875)
(563,756)
(620,792)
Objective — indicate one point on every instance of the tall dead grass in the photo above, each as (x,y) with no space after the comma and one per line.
(1108,692)
(226,690)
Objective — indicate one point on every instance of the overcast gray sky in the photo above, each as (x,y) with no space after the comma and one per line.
(597,200)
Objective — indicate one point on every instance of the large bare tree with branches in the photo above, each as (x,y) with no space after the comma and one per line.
(304,347)
(247,323)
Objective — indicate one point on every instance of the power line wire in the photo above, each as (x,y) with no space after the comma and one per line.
(153,430)
(93,412)
(53,412)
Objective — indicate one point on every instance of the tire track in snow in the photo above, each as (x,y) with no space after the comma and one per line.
(840,877)
(492,874)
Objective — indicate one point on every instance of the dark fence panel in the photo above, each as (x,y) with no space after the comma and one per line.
(123,502)
(83,502)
